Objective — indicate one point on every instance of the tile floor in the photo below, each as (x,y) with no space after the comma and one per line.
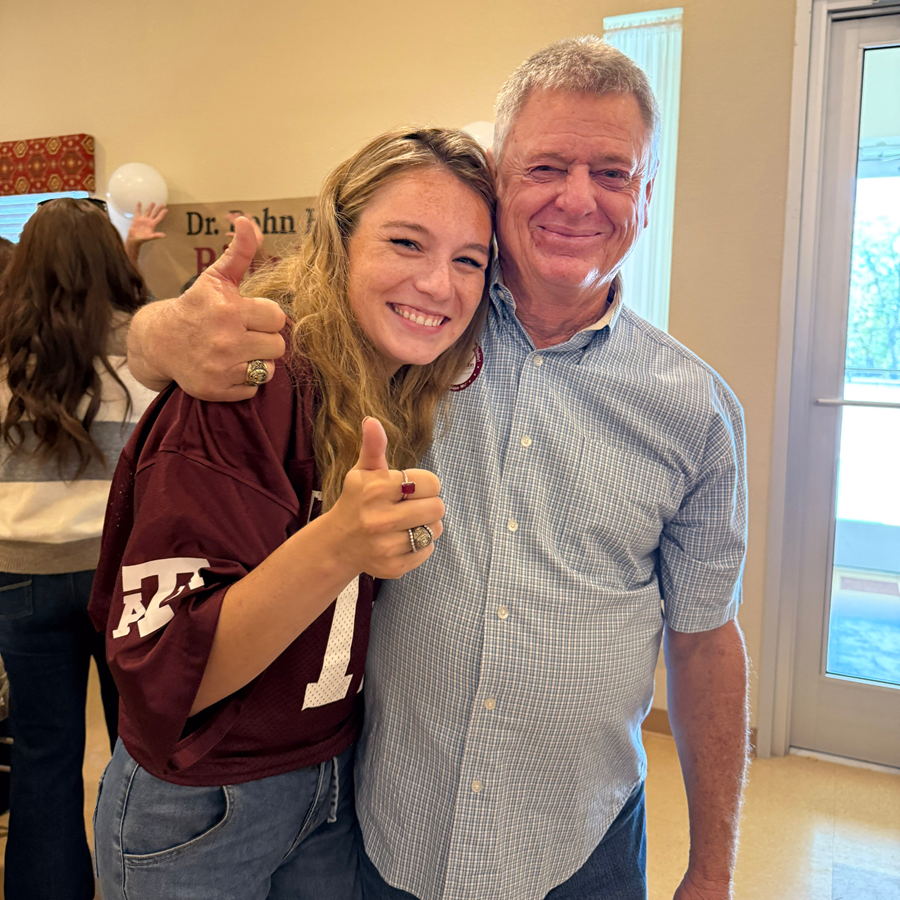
(811,830)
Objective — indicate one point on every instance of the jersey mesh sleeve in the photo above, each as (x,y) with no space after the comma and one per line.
(202,519)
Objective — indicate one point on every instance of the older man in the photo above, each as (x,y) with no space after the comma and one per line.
(594,483)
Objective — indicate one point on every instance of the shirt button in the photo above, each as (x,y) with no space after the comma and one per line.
(512,525)
(503,612)
(490,703)
(477,785)
(526,441)
(538,362)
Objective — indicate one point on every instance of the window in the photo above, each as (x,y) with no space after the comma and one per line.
(653,41)
(17,209)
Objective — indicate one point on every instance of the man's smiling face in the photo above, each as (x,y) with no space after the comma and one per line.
(573,191)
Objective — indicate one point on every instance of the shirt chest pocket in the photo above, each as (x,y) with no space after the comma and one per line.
(608,520)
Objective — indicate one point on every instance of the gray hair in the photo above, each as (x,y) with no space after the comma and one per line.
(584,65)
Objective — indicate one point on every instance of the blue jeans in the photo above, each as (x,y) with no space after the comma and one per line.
(47,641)
(287,836)
(616,870)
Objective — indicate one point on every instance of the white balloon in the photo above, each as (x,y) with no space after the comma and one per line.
(135,183)
(483,132)
(121,223)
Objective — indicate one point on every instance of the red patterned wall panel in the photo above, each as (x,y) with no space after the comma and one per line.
(47,165)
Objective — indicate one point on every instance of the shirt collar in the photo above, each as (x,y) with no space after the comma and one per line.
(504,302)
(611,316)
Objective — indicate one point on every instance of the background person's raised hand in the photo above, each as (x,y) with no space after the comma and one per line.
(373,520)
(143,228)
(205,339)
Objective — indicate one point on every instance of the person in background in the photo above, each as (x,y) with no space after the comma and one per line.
(232,529)
(67,406)
(6,251)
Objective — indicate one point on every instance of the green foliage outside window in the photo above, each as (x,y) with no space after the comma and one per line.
(873,335)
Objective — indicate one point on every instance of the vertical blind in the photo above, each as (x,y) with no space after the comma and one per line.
(653,41)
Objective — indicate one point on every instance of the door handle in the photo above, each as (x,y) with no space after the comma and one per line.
(837,401)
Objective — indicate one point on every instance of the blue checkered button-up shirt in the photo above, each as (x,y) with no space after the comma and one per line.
(594,489)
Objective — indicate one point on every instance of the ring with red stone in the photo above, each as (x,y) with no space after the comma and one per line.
(407,488)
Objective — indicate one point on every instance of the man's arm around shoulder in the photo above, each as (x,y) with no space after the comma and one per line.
(205,338)
(707,675)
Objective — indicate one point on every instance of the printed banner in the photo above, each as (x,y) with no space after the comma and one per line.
(47,165)
(198,233)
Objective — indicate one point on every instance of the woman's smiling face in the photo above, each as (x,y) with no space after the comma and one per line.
(418,260)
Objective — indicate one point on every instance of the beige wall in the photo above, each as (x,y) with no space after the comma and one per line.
(237,100)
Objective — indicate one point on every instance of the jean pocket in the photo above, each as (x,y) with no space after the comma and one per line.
(163,820)
(15,596)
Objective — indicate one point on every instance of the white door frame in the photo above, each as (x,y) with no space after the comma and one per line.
(780,603)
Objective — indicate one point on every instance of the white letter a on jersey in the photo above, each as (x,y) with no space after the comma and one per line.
(169,572)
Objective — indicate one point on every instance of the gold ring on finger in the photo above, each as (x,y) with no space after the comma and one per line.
(257,373)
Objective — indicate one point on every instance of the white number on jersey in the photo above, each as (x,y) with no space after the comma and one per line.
(334,680)
(168,573)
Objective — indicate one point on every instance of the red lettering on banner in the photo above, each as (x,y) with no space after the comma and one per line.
(206,256)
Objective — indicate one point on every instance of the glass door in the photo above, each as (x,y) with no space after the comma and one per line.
(846,693)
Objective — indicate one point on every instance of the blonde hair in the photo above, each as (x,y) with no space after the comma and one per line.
(313,283)
(584,65)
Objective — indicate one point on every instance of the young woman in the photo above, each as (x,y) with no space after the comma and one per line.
(67,407)
(233,527)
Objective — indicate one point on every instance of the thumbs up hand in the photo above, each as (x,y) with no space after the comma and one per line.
(205,338)
(232,265)
(372,517)
(238,328)
(372,453)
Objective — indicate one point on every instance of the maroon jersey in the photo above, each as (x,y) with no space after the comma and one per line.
(202,494)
